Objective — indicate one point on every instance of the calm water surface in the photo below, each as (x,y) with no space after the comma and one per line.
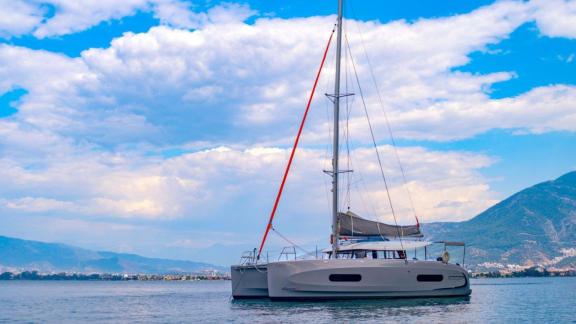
(537,300)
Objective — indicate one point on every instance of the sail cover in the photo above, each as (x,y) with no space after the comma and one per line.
(351,224)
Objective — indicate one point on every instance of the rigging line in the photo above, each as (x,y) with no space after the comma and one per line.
(361,188)
(371,206)
(347,135)
(374,143)
(363,183)
(388,126)
(325,158)
(328,147)
(296,141)
(363,201)
(287,240)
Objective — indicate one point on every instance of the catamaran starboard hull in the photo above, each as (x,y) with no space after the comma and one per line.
(352,279)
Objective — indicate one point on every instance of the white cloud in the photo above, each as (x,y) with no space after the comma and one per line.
(178,14)
(256,74)
(175,13)
(541,110)
(49,18)
(31,204)
(256,78)
(252,77)
(18,17)
(555,18)
(73,16)
(443,185)
(98,184)
(230,13)
(124,185)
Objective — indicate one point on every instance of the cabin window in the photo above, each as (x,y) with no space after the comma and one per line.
(345,277)
(400,254)
(344,255)
(430,277)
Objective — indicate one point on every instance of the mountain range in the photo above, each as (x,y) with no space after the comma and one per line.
(17,254)
(536,226)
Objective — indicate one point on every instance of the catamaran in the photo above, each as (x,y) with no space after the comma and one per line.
(367,259)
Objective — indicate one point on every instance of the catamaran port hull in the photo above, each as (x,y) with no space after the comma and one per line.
(249,281)
(370,278)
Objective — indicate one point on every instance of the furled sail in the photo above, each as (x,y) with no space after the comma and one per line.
(351,224)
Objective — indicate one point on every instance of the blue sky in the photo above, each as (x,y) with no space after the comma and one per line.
(161,127)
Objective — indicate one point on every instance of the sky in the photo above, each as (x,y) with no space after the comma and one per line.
(162,127)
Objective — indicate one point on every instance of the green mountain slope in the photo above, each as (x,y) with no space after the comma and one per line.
(532,226)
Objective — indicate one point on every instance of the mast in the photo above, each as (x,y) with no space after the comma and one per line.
(335,170)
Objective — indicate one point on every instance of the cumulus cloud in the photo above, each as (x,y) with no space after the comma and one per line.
(178,14)
(149,187)
(96,184)
(61,17)
(555,18)
(18,17)
(74,16)
(442,185)
(256,77)
(538,111)
(31,204)
(49,18)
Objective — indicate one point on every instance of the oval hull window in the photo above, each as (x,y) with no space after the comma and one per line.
(430,277)
(345,277)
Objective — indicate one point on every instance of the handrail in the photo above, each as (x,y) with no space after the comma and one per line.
(286,252)
(248,257)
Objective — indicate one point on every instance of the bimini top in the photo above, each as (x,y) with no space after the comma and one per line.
(383,246)
(351,224)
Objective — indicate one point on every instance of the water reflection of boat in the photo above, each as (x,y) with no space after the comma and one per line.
(380,310)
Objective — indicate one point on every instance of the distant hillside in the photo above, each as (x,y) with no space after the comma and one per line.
(47,257)
(534,226)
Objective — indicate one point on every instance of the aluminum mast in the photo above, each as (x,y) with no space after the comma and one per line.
(335,170)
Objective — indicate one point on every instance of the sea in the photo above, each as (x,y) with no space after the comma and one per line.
(515,300)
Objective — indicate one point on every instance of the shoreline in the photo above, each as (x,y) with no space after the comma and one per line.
(64,276)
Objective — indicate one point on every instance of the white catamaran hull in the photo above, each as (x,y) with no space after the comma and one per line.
(249,281)
(370,278)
